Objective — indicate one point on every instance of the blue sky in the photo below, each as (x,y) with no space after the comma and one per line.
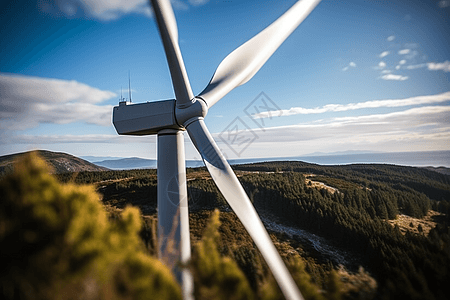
(355,75)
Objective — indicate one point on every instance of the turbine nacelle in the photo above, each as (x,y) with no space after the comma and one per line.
(151,117)
(144,118)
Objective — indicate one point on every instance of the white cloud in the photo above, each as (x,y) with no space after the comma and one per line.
(444,3)
(386,71)
(412,67)
(411,54)
(179,5)
(381,65)
(418,116)
(25,102)
(384,53)
(444,66)
(419,100)
(198,2)
(27,139)
(421,128)
(108,10)
(38,89)
(394,77)
(404,51)
(391,38)
(400,63)
(98,9)
(432,66)
(350,65)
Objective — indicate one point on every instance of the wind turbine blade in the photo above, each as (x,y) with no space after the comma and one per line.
(244,62)
(236,197)
(168,30)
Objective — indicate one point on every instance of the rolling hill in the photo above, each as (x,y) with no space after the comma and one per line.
(60,162)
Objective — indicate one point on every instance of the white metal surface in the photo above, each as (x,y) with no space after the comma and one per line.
(244,62)
(144,118)
(173,213)
(169,34)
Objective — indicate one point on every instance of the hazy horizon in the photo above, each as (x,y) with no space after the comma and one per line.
(412,158)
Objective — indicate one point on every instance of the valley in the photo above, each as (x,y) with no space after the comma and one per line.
(351,223)
(339,218)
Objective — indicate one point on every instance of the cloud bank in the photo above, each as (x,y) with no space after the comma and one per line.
(27,139)
(444,66)
(421,128)
(108,10)
(402,123)
(25,102)
(420,100)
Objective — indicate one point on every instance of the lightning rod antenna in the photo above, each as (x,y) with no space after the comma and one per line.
(129,84)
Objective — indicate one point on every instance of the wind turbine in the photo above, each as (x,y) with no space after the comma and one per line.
(169,119)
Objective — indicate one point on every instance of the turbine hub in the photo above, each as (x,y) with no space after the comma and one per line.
(186,115)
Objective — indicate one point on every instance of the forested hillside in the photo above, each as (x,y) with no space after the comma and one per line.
(348,205)
(59,242)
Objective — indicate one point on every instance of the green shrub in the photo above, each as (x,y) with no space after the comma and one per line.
(57,243)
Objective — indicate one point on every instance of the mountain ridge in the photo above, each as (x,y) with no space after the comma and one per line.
(438,161)
(63,162)
(59,162)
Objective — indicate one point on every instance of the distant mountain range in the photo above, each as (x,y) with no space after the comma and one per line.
(438,161)
(434,159)
(127,163)
(139,163)
(60,162)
